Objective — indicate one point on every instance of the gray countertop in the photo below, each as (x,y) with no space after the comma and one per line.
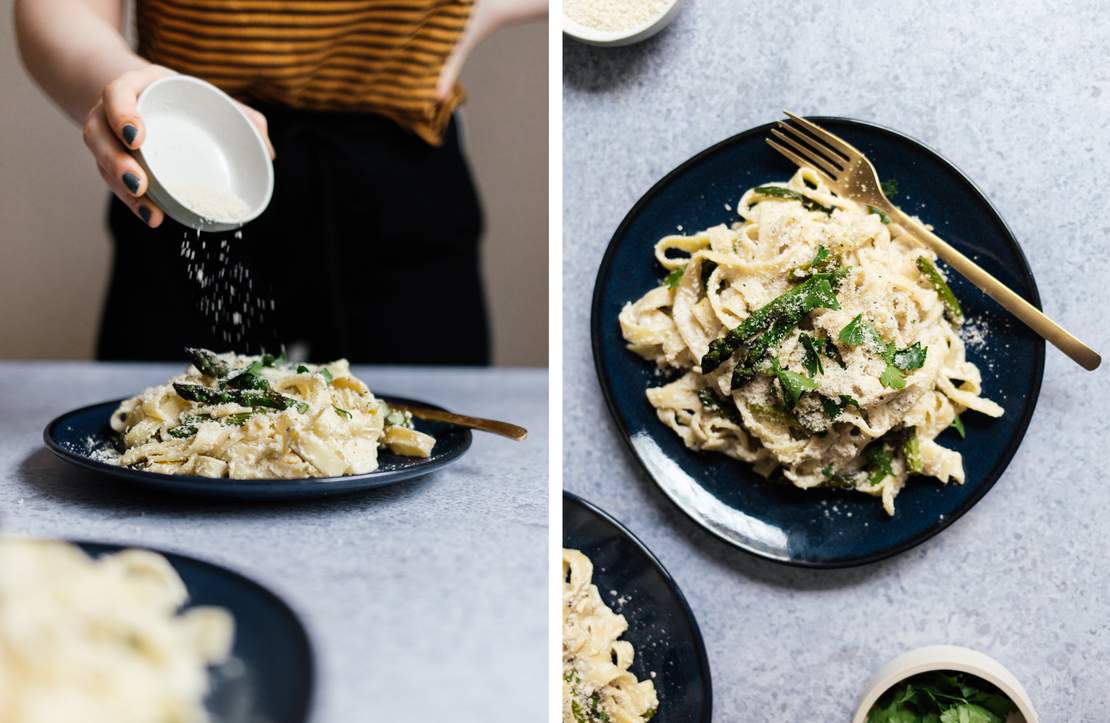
(424,600)
(1016,95)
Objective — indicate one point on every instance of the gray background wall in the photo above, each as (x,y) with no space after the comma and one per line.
(55,247)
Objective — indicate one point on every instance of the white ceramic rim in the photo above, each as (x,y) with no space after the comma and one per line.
(591,36)
(945,657)
(170,205)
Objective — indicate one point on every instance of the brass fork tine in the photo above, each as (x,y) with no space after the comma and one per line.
(835,157)
(798,160)
(845,150)
(815,159)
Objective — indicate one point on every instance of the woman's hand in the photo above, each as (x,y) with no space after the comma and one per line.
(486,17)
(114,126)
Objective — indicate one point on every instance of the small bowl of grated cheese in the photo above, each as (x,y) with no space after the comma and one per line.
(207,165)
(616,22)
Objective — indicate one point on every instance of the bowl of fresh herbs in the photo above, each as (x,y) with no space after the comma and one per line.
(945,684)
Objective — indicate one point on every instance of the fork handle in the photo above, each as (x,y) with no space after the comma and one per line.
(1033,317)
(492,426)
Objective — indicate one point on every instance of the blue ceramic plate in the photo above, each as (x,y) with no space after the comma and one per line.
(819,528)
(269,678)
(74,435)
(660,625)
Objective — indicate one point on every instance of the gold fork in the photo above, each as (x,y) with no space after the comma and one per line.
(492,426)
(851,175)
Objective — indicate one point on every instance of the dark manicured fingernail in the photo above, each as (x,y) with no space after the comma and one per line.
(129,133)
(145,213)
(131,181)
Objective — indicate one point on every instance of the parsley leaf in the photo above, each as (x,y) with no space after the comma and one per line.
(959,425)
(342,412)
(302,369)
(892,377)
(674,278)
(890,187)
(326,374)
(833,352)
(912,357)
(793,384)
(879,459)
(811,360)
(880,213)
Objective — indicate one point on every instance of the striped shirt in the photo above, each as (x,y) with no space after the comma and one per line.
(377,56)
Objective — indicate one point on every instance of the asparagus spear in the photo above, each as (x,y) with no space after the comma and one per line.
(245,397)
(207,362)
(814,292)
(248,378)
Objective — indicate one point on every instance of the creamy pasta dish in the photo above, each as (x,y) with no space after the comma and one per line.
(260,417)
(597,685)
(814,337)
(100,641)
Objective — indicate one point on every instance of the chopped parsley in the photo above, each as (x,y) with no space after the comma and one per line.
(833,408)
(890,187)
(674,278)
(879,458)
(302,369)
(793,384)
(880,213)
(811,359)
(326,374)
(859,332)
(958,424)
(342,412)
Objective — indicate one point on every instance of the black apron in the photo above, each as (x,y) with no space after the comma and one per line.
(369,250)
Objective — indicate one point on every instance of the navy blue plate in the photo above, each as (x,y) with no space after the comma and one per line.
(818,528)
(660,625)
(75,434)
(269,678)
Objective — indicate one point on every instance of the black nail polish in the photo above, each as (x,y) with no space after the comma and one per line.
(131,181)
(129,133)
(145,213)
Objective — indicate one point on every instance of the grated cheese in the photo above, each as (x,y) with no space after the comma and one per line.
(615,15)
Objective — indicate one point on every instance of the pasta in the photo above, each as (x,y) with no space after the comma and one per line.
(98,641)
(815,337)
(597,685)
(249,417)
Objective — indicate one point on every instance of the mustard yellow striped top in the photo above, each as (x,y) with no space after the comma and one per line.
(379,56)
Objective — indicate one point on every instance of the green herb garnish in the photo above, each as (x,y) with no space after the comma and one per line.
(326,374)
(880,213)
(890,187)
(959,426)
(248,378)
(302,369)
(833,408)
(793,384)
(811,360)
(674,278)
(879,458)
(714,402)
(944,291)
(859,332)
(342,412)
(269,360)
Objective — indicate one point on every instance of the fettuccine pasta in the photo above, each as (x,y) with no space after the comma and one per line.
(815,337)
(100,641)
(249,417)
(597,685)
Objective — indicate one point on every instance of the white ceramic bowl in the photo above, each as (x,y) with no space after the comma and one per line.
(947,657)
(592,36)
(197,137)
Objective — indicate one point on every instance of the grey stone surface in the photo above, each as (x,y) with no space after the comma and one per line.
(425,601)
(1018,96)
